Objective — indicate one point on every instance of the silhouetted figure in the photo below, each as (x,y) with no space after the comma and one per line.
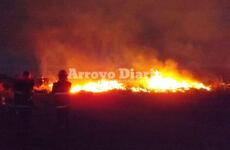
(23,90)
(63,85)
(61,89)
(60,92)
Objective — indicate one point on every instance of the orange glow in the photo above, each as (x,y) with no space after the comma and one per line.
(158,82)
(161,82)
(99,86)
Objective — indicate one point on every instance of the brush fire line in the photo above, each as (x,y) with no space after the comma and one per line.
(157,82)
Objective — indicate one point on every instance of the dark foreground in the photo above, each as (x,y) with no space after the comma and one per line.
(125,121)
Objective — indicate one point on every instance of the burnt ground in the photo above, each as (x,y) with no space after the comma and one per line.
(124,121)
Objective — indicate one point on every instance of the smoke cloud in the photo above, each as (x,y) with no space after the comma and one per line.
(106,34)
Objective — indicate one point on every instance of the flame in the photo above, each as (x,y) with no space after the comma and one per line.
(158,82)
(99,86)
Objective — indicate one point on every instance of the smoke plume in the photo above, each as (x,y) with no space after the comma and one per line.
(106,34)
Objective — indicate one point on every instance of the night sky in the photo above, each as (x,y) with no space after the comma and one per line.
(46,35)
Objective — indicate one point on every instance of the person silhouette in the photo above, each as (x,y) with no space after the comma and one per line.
(23,91)
(60,91)
(63,85)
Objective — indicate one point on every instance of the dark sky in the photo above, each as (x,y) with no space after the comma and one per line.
(46,35)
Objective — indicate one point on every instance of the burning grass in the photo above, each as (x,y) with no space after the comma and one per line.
(158,82)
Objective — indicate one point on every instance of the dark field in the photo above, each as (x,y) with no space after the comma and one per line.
(125,121)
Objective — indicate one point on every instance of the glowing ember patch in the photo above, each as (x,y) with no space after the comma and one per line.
(99,86)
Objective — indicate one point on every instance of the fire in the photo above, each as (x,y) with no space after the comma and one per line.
(99,86)
(158,82)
